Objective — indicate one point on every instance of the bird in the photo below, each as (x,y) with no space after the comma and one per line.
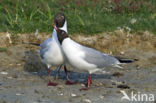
(85,58)
(51,53)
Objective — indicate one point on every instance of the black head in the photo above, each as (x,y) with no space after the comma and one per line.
(61,35)
(59,20)
(60,26)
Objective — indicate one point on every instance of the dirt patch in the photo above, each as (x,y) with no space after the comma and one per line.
(23,77)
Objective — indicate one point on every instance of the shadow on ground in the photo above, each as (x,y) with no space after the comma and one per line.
(34,65)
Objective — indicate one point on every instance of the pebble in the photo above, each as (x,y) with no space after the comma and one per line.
(9,77)
(19,64)
(114,82)
(100,84)
(101,96)
(87,100)
(61,94)
(82,85)
(122,52)
(18,94)
(73,95)
(4,73)
(60,87)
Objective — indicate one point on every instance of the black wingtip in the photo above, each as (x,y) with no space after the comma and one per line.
(125,60)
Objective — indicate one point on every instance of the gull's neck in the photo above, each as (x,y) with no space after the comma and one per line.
(54,34)
(64,28)
(61,36)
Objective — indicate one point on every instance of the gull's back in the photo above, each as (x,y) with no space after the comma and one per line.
(85,54)
(99,59)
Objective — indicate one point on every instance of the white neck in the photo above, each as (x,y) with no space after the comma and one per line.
(64,28)
(54,34)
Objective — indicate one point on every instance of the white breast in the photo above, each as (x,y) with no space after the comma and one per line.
(74,54)
(54,55)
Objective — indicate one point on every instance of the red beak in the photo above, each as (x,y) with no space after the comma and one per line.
(54,25)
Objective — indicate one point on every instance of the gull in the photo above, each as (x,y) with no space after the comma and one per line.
(85,58)
(51,52)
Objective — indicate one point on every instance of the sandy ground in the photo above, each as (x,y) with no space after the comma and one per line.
(23,78)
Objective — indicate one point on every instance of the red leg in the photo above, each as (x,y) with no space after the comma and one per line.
(68,82)
(50,83)
(48,72)
(89,81)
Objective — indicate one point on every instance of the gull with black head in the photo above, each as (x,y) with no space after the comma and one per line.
(85,58)
(51,52)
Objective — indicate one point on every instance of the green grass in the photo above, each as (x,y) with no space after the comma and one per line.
(3,49)
(84,16)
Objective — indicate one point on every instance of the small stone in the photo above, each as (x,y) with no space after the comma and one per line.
(18,94)
(87,100)
(61,94)
(73,95)
(19,64)
(4,73)
(101,96)
(9,77)
(122,52)
(100,84)
(82,85)
(114,82)
(60,86)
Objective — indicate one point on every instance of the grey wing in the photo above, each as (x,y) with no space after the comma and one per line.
(99,59)
(44,47)
(45,43)
(42,52)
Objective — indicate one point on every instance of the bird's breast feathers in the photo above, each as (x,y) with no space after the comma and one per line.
(75,55)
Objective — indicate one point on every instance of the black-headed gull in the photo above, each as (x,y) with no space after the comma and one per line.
(50,51)
(85,58)
(51,54)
